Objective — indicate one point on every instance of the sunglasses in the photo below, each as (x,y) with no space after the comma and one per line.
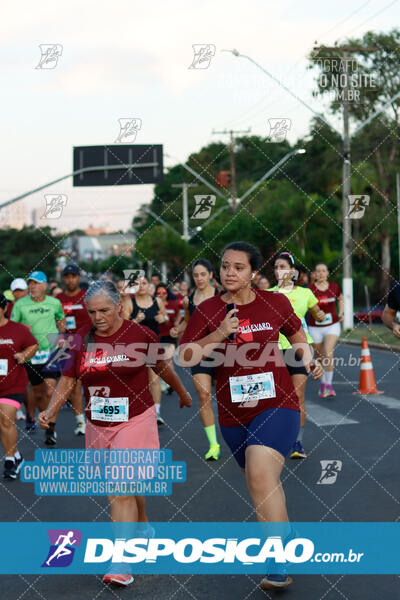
(159,293)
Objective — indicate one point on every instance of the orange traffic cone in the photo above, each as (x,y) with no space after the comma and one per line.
(367,378)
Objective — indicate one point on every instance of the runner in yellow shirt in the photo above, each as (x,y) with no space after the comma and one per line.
(302,300)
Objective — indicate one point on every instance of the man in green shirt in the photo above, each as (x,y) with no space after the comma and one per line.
(43,315)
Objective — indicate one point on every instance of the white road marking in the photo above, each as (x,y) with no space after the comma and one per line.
(320,415)
(386,401)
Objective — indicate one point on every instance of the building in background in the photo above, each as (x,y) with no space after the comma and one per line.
(98,247)
(14,216)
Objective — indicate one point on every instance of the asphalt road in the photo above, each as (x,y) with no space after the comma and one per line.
(362,432)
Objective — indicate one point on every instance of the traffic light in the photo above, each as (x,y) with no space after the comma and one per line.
(223,179)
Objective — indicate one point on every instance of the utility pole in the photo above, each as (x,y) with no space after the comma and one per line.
(231,148)
(398,214)
(185,187)
(347,240)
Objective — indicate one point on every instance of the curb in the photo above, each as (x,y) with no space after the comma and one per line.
(375,345)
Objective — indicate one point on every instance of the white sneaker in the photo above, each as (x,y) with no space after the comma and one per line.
(20,415)
(80,428)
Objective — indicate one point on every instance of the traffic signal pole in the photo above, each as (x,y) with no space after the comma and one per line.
(231,148)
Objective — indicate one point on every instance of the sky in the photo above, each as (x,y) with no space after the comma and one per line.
(131,59)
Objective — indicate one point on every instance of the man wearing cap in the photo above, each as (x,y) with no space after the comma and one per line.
(76,316)
(43,315)
(19,288)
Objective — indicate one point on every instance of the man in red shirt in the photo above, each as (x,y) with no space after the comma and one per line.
(76,317)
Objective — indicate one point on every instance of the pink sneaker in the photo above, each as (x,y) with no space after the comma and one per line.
(329,391)
(321,392)
(118,579)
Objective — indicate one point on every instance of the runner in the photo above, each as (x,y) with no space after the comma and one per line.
(55,291)
(134,426)
(126,300)
(326,333)
(302,301)
(202,272)
(17,344)
(263,283)
(391,309)
(150,312)
(43,315)
(169,329)
(76,316)
(19,289)
(261,428)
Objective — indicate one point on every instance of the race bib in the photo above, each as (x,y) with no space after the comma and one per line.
(3,367)
(249,388)
(326,321)
(114,410)
(41,357)
(70,322)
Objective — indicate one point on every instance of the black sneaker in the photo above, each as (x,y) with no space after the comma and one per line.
(18,463)
(10,470)
(30,425)
(50,437)
(160,420)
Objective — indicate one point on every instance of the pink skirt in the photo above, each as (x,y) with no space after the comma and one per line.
(139,432)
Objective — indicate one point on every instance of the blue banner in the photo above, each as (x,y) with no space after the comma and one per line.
(194,548)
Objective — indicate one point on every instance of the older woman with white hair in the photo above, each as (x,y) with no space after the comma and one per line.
(122,383)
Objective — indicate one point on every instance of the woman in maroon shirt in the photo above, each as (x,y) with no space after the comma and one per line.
(17,345)
(258,408)
(326,333)
(110,381)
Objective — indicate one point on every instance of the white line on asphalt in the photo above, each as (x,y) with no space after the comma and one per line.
(345,383)
(320,415)
(386,401)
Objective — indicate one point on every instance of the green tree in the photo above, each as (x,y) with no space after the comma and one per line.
(374,72)
(27,250)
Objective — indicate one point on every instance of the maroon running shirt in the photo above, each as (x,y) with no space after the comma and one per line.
(74,307)
(260,322)
(172,310)
(327,303)
(14,337)
(107,368)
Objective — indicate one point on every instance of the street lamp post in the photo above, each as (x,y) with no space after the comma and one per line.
(346,185)
(185,187)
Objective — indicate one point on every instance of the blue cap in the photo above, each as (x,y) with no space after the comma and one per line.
(38,276)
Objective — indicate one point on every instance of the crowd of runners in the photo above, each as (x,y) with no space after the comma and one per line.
(277,333)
